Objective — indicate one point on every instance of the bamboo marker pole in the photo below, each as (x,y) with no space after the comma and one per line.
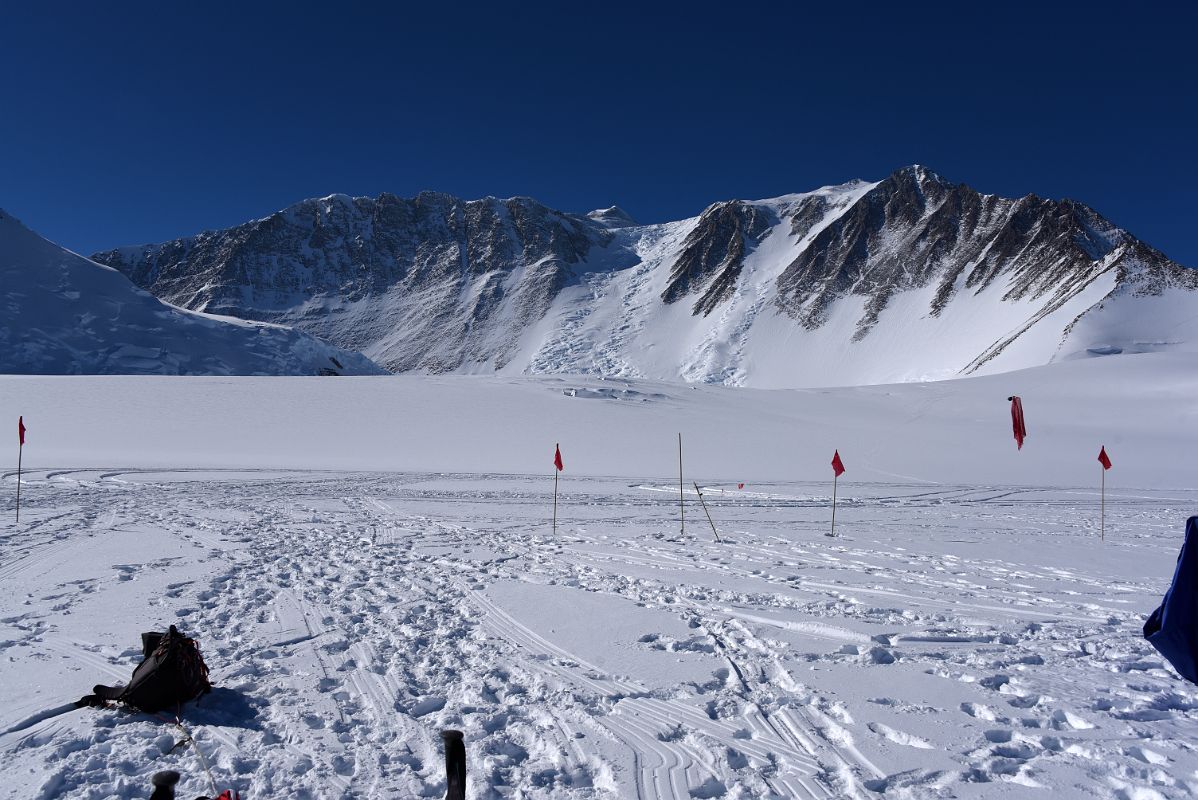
(708,513)
(1104,461)
(681,507)
(834,479)
(1102,513)
(557,449)
(20,450)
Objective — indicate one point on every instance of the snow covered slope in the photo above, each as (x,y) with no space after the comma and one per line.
(907,279)
(64,314)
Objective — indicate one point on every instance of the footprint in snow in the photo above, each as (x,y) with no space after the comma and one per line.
(899,737)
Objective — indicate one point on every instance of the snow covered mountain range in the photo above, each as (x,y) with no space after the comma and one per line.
(909,278)
(67,315)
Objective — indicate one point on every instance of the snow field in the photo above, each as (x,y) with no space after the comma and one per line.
(954,639)
(369,561)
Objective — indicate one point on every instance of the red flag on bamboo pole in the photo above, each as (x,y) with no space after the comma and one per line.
(1017,424)
(1105,460)
(557,462)
(837,471)
(21,430)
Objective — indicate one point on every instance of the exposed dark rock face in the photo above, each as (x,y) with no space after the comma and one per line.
(713,254)
(915,228)
(434,283)
(67,315)
(447,267)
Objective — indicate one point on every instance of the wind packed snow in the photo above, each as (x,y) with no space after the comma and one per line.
(369,561)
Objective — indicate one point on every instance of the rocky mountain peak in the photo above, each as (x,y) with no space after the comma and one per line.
(459,261)
(437,283)
(713,254)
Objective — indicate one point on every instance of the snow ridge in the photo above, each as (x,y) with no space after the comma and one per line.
(908,278)
(65,314)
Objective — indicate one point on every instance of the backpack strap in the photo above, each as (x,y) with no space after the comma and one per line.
(150,642)
(108,693)
(101,696)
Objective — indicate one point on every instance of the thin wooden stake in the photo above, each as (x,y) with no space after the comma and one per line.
(708,513)
(555,472)
(834,479)
(681,507)
(1102,515)
(20,452)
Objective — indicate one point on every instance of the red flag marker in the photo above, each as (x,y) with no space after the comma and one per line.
(21,430)
(557,462)
(740,486)
(1018,427)
(837,471)
(1104,459)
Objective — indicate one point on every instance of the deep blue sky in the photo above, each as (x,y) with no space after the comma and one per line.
(126,123)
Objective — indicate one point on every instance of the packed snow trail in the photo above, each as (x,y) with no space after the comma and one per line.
(951,638)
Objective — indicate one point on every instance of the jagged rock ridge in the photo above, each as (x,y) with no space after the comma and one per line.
(713,254)
(915,228)
(411,279)
(908,278)
(64,314)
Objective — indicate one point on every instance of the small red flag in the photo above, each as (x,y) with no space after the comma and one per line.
(1103,458)
(21,429)
(1017,424)
(740,486)
(557,457)
(837,464)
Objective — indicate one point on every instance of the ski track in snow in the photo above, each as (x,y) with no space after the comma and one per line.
(950,639)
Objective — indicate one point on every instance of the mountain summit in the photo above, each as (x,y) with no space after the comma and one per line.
(614,217)
(909,278)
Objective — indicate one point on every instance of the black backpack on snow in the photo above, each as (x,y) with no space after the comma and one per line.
(171,673)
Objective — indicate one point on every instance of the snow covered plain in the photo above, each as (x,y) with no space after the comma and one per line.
(369,561)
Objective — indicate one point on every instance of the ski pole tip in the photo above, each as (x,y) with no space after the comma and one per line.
(167,777)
